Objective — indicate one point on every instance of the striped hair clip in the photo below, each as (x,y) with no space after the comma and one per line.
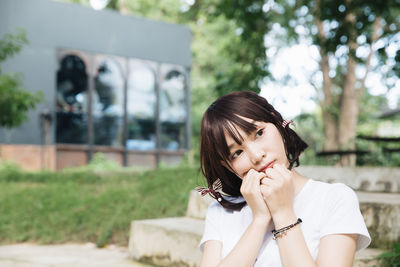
(214,191)
(285,123)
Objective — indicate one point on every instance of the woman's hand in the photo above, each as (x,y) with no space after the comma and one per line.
(277,189)
(251,191)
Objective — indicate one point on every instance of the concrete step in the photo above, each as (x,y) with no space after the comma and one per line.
(370,179)
(166,242)
(381,212)
(198,205)
(174,242)
(367,257)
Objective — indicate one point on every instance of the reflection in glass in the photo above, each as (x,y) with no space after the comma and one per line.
(108,106)
(71,103)
(172,110)
(141,106)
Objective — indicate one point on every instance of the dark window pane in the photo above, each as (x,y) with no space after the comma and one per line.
(141,106)
(172,108)
(108,108)
(71,103)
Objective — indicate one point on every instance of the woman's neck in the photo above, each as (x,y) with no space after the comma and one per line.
(299,182)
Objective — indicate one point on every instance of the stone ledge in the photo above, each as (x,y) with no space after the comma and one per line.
(371,179)
(367,257)
(198,205)
(166,242)
(381,213)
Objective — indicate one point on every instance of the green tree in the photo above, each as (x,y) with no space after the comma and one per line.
(348,34)
(14,101)
(241,63)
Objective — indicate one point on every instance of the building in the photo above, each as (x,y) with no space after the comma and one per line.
(112,84)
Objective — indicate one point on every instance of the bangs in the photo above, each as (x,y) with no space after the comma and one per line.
(230,126)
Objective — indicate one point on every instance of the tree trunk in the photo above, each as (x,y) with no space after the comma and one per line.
(348,117)
(123,9)
(327,105)
(349,102)
(330,124)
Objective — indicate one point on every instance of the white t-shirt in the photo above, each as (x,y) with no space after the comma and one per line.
(324,209)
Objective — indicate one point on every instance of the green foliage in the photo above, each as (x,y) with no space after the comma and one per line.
(369,122)
(100,164)
(14,101)
(85,206)
(390,258)
(9,169)
(309,128)
(11,44)
(243,62)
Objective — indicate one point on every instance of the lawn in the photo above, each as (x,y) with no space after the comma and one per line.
(84,205)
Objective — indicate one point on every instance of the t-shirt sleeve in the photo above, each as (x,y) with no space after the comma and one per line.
(343,215)
(212,224)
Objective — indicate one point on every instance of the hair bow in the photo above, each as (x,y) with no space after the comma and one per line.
(213,190)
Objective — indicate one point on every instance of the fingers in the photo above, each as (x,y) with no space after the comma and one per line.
(277,176)
(252,178)
(278,172)
(251,182)
(282,169)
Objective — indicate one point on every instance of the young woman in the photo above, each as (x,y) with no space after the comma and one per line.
(265,213)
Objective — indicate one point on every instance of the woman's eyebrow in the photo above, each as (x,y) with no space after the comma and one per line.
(231,146)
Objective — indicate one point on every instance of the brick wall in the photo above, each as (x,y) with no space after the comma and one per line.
(30,157)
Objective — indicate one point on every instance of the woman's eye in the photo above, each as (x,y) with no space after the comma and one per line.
(236,154)
(260,132)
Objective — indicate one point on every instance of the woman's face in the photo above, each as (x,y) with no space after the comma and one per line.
(260,149)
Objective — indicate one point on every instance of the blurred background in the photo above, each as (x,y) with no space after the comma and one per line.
(102,99)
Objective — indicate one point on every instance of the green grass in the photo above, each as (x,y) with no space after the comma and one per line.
(88,206)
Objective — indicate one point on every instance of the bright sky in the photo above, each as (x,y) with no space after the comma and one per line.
(300,62)
(294,98)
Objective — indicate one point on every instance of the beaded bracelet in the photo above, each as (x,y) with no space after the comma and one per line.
(281,232)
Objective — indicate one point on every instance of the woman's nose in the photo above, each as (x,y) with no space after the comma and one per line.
(256,153)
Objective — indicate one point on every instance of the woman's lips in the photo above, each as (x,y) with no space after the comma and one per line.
(269,165)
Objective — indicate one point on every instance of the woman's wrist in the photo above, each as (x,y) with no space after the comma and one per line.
(261,221)
(283,218)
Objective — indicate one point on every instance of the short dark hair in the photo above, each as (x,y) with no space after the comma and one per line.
(224,115)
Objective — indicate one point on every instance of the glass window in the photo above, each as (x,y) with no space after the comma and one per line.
(141,106)
(108,101)
(110,76)
(71,100)
(172,108)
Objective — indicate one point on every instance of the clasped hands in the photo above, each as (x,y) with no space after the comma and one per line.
(269,194)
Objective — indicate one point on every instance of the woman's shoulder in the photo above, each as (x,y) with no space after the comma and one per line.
(331,188)
(334,194)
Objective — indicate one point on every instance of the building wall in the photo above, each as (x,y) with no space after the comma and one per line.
(51,25)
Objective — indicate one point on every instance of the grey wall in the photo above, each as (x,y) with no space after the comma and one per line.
(51,25)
